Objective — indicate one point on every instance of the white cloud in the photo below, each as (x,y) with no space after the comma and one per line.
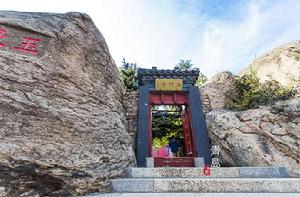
(232,45)
(158,33)
(151,33)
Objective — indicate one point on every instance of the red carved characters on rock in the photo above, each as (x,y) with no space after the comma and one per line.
(28,45)
(3,34)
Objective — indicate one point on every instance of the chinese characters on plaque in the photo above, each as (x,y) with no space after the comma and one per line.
(169,84)
(22,41)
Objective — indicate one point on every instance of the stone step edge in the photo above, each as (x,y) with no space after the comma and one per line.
(229,172)
(282,185)
(215,178)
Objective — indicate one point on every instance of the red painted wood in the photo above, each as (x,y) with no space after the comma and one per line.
(168,98)
(174,162)
(173,98)
(187,131)
(189,123)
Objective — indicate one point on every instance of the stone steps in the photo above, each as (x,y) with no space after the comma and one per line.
(203,185)
(232,172)
(190,182)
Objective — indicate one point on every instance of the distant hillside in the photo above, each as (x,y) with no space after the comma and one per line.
(281,64)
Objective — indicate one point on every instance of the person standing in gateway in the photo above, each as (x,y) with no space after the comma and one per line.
(174,145)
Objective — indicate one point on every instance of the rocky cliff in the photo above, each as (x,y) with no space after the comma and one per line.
(62,123)
(268,136)
(215,92)
(281,64)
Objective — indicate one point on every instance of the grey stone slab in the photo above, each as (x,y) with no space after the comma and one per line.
(150,162)
(289,185)
(259,172)
(226,185)
(199,162)
(283,172)
(129,185)
(230,172)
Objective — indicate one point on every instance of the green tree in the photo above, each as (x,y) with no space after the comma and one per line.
(250,93)
(128,72)
(201,79)
(247,91)
(184,64)
(187,65)
(166,122)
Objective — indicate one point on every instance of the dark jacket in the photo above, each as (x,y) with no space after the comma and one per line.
(174,145)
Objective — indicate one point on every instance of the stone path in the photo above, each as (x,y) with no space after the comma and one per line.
(190,182)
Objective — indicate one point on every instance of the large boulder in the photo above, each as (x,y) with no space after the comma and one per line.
(281,64)
(268,136)
(62,123)
(130,103)
(216,92)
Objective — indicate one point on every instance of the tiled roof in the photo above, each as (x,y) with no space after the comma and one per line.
(149,75)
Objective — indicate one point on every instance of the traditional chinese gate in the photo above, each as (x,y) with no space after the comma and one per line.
(173,98)
(172,87)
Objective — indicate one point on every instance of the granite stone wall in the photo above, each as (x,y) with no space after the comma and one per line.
(130,104)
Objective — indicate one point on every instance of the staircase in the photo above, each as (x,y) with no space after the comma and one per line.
(234,181)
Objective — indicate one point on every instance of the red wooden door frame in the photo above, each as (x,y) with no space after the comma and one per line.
(187,131)
(173,98)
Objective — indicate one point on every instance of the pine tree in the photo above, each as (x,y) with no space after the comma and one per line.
(184,64)
(128,72)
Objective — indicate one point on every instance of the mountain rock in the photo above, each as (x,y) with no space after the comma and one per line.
(62,122)
(215,93)
(130,103)
(281,64)
(268,136)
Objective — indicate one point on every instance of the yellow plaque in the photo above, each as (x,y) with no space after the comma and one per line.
(168,84)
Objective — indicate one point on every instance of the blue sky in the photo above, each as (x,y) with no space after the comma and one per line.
(216,35)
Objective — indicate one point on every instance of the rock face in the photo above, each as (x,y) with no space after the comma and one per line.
(281,64)
(215,92)
(62,123)
(131,104)
(268,136)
